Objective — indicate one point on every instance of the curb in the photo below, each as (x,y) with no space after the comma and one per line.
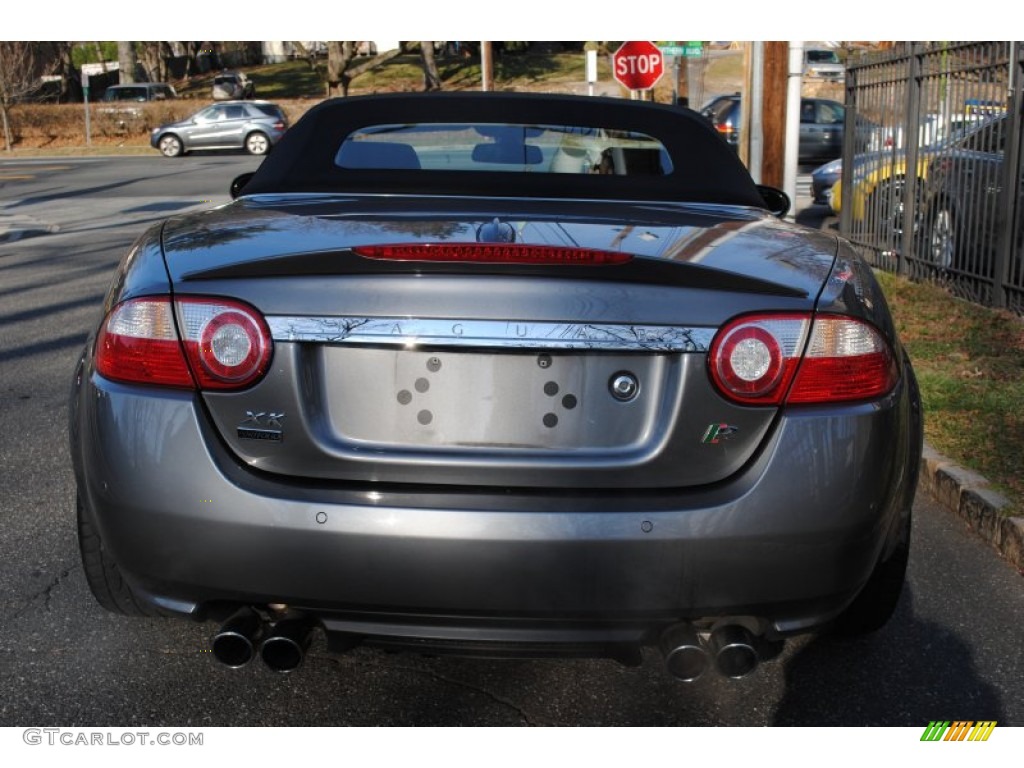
(969,497)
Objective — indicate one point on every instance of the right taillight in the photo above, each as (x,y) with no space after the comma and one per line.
(800,359)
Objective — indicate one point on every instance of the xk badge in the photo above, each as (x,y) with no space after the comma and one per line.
(261,425)
(716,433)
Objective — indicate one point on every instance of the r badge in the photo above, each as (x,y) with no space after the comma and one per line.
(716,433)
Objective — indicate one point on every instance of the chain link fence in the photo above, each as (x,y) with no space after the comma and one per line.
(935,192)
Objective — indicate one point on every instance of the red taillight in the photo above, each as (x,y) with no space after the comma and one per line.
(756,360)
(493,253)
(138,343)
(845,360)
(228,343)
(723,128)
(223,344)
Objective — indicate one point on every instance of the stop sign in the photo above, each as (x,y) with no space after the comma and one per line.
(638,65)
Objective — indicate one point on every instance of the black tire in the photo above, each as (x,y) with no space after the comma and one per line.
(877,602)
(257,143)
(886,206)
(170,146)
(101,571)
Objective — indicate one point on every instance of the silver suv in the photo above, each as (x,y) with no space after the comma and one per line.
(254,126)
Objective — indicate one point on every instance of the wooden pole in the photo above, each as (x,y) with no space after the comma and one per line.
(487,66)
(776,60)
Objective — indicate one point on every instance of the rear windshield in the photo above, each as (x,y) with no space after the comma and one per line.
(125,94)
(822,57)
(518,145)
(271,110)
(504,147)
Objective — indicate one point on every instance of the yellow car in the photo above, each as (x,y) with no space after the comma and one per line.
(877,199)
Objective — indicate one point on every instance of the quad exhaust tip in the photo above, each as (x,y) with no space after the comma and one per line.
(284,648)
(686,658)
(730,647)
(733,649)
(235,643)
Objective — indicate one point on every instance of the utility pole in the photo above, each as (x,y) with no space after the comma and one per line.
(794,87)
(773,114)
(755,137)
(682,71)
(486,66)
(748,88)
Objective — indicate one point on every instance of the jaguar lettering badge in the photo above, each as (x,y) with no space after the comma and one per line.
(261,425)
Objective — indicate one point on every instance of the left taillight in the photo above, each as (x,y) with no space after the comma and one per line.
(224,344)
(800,359)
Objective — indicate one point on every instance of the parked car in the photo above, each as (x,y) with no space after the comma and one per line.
(961,203)
(124,104)
(139,92)
(879,179)
(823,63)
(255,126)
(497,374)
(823,178)
(233,85)
(821,126)
(879,176)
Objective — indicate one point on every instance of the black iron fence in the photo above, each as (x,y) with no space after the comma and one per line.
(935,190)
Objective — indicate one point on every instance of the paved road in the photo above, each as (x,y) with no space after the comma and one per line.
(955,649)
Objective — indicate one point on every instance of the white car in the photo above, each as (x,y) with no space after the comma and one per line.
(823,63)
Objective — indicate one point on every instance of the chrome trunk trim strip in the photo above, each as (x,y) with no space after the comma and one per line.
(497,334)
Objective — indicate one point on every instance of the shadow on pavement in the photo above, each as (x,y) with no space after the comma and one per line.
(910,672)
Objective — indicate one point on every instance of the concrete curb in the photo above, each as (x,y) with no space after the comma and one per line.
(968,495)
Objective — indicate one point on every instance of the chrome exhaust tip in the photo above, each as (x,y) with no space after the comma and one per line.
(685,658)
(234,645)
(285,646)
(732,647)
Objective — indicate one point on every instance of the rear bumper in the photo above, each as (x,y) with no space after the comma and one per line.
(789,540)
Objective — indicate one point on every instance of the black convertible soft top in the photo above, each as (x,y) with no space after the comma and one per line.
(703,167)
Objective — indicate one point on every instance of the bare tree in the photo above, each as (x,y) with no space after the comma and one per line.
(339,56)
(340,73)
(19,76)
(152,58)
(431,77)
(126,61)
(306,53)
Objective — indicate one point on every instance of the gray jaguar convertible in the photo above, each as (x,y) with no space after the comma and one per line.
(497,375)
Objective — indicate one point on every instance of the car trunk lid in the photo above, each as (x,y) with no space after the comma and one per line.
(482,373)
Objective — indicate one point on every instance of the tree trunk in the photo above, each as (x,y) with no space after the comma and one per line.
(339,55)
(7,126)
(431,77)
(126,61)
